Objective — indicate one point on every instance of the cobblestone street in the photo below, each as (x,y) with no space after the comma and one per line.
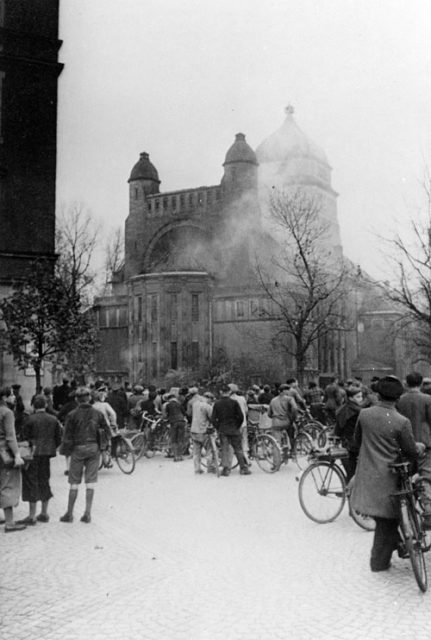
(173,555)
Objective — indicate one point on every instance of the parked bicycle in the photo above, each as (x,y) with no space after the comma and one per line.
(262,448)
(299,450)
(323,488)
(409,503)
(121,450)
(153,435)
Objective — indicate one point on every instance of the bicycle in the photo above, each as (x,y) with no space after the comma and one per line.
(298,451)
(409,506)
(153,435)
(121,450)
(262,447)
(323,489)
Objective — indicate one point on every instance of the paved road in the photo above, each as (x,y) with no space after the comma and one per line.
(171,555)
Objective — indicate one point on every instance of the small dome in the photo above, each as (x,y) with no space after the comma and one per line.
(144,169)
(240,151)
(288,141)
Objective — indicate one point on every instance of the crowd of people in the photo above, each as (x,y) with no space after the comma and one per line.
(374,423)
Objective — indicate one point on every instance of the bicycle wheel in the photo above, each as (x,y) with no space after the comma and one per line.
(322,438)
(302,447)
(267,453)
(322,491)
(124,456)
(313,428)
(139,444)
(411,533)
(365,522)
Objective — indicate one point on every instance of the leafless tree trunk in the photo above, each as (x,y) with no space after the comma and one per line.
(304,279)
(76,239)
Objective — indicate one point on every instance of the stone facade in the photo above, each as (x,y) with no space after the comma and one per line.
(189,287)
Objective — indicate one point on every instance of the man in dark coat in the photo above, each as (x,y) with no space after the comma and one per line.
(381,433)
(333,397)
(416,406)
(345,423)
(44,432)
(227,417)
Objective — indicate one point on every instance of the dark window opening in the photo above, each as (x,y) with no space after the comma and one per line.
(154,359)
(195,307)
(174,355)
(194,355)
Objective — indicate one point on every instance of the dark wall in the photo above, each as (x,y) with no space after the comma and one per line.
(29,71)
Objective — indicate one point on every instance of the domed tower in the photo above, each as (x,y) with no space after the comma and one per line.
(240,167)
(288,158)
(144,179)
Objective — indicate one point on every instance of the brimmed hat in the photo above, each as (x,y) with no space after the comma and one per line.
(193,391)
(389,387)
(233,387)
(16,386)
(82,391)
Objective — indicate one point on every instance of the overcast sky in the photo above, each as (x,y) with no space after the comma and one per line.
(179,78)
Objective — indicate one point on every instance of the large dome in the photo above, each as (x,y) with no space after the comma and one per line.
(288,141)
(240,151)
(144,169)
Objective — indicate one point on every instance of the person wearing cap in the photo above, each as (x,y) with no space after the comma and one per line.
(118,400)
(416,406)
(43,431)
(381,433)
(201,411)
(241,400)
(135,398)
(85,427)
(227,417)
(345,423)
(283,413)
(99,402)
(174,413)
(426,386)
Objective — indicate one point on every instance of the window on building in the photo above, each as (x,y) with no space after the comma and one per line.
(174,307)
(200,198)
(165,203)
(174,355)
(103,318)
(195,307)
(122,320)
(139,302)
(254,308)
(190,199)
(240,309)
(154,309)
(194,355)
(154,359)
(182,202)
(2,9)
(156,205)
(218,194)
(174,204)
(112,318)
(136,193)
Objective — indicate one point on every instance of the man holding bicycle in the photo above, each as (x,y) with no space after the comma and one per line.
(283,412)
(381,434)
(416,406)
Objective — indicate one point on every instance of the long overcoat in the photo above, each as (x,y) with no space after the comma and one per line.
(382,433)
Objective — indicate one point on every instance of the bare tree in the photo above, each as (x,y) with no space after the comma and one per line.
(114,257)
(304,279)
(410,287)
(76,239)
